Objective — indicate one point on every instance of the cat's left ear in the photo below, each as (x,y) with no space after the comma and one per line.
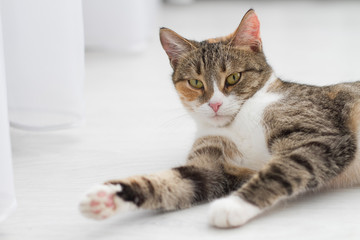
(174,45)
(248,32)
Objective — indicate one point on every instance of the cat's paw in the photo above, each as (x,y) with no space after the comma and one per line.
(231,212)
(101,202)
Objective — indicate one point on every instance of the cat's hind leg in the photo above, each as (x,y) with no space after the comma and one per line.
(313,164)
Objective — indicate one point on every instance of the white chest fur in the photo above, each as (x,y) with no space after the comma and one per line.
(247,130)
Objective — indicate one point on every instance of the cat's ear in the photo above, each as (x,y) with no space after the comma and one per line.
(248,32)
(174,45)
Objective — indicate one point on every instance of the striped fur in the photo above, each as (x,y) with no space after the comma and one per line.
(210,173)
(269,140)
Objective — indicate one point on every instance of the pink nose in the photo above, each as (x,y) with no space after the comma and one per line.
(215,106)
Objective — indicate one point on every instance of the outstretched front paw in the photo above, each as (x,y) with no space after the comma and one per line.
(231,212)
(101,202)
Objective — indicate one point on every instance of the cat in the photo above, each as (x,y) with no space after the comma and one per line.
(260,139)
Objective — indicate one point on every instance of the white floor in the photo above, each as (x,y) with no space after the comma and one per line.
(135,124)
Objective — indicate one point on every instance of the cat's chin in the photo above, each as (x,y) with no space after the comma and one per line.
(219,120)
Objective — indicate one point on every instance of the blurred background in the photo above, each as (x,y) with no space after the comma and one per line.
(320,31)
(89,96)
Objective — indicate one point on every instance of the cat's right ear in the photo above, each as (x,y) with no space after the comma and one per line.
(174,45)
(248,32)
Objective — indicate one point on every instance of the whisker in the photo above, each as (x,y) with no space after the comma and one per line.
(175,121)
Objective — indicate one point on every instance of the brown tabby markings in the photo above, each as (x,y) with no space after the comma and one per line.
(333,93)
(308,135)
(210,173)
(328,120)
(354,121)
(216,63)
(351,175)
(186,92)
(311,133)
(166,190)
(225,39)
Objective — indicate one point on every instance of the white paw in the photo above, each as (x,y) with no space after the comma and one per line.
(101,202)
(231,212)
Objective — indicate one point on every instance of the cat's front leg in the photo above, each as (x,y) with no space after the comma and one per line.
(209,174)
(177,188)
(165,190)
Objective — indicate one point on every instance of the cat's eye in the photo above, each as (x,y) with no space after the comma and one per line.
(233,78)
(196,83)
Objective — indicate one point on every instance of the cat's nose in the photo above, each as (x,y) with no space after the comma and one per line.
(215,106)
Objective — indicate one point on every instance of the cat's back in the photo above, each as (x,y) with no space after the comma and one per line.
(303,92)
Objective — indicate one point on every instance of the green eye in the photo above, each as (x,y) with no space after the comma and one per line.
(232,79)
(196,83)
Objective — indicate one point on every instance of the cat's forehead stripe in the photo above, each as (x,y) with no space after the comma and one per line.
(198,67)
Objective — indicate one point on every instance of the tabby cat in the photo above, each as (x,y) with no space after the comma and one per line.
(260,139)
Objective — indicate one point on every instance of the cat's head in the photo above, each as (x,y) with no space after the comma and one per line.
(215,77)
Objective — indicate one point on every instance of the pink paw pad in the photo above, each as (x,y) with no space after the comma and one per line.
(110,203)
(96,211)
(101,194)
(99,203)
(94,203)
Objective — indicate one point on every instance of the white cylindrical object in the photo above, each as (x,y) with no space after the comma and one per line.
(7,194)
(44,60)
(119,25)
